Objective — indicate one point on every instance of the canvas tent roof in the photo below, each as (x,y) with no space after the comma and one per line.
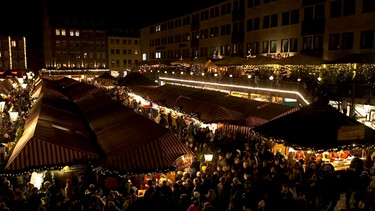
(130,141)
(136,79)
(115,138)
(317,126)
(208,112)
(301,59)
(254,112)
(54,135)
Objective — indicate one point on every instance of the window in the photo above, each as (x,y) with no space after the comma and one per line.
(71,33)
(57,32)
(265,47)
(368,6)
(294,17)
(250,3)
(335,9)
(308,14)
(334,41)
(293,45)
(319,11)
(274,20)
(255,48)
(273,46)
(285,18)
(318,42)
(14,43)
(249,25)
(307,43)
(266,22)
(63,32)
(347,40)
(284,45)
(367,39)
(77,33)
(256,24)
(348,7)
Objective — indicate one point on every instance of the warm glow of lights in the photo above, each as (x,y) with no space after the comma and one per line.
(13,116)
(2,106)
(237,86)
(208,157)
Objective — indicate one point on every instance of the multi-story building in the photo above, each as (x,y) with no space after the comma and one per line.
(13,53)
(85,47)
(324,28)
(124,50)
(71,43)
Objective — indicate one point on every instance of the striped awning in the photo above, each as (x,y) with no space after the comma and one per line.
(130,142)
(206,111)
(54,135)
(159,154)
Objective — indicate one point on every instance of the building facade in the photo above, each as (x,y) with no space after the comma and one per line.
(275,28)
(13,53)
(124,50)
(87,46)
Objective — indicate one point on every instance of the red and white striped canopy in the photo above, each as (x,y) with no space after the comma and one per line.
(54,135)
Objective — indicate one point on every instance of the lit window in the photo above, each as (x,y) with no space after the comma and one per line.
(158,55)
(57,32)
(158,28)
(77,33)
(63,32)
(71,33)
(14,43)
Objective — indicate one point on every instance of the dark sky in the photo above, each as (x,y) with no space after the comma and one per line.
(138,13)
(26,17)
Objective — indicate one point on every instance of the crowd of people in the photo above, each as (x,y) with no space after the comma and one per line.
(244,174)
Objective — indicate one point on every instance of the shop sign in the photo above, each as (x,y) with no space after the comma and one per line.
(352,132)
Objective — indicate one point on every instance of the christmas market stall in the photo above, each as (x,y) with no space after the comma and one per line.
(319,127)
(54,136)
(135,79)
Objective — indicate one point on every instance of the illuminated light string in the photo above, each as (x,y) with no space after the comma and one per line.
(237,86)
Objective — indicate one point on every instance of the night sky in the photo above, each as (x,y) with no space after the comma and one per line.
(26,17)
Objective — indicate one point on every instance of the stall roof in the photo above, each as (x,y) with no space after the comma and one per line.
(136,79)
(255,112)
(54,135)
(131,142)
(317,126)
